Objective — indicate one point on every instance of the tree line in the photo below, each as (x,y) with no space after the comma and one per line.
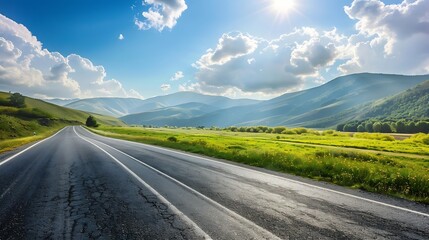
(386,126)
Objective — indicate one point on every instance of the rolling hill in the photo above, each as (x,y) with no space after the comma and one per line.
(63,113)
(60,102)
(412,103)
(117,107)
(323,106)
(169,115)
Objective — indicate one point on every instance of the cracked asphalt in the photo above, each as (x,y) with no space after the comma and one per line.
(77,185)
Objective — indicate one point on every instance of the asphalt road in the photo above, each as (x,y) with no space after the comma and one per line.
(77,185)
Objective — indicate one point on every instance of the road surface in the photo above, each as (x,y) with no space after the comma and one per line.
(78,185)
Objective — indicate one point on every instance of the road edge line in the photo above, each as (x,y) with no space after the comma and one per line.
(229,211)
(185,218)
(272,175)
(28,148)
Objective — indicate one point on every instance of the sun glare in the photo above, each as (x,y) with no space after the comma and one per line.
(282,6)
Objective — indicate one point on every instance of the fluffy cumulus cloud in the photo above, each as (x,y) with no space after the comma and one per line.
(242,65)
(161,14)
(389,38)
(25,66)
(177,76)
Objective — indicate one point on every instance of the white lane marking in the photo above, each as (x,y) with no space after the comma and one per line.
(28,148)
(176,211)
(229,211)
(275,176)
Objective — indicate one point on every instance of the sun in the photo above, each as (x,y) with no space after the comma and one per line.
(282,6)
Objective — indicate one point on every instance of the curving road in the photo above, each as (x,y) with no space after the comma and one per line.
(78,185)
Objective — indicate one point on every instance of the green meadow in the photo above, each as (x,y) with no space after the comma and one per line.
(402,175)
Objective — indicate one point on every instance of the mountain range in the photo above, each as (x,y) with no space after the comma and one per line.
(118,107)
(342,99)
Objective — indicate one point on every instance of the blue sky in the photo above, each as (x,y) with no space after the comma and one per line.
(148,58)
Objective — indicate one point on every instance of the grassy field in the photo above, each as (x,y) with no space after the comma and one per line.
(404,177)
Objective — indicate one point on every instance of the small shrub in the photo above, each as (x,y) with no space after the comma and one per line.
(420,138)
(172,139)
(91,122)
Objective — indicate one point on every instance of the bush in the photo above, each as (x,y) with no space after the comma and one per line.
(420,138)
(172,139)
(17,100)
(91,122)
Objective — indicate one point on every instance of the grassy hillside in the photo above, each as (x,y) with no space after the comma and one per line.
(412,103)
(38,120)
(65,113)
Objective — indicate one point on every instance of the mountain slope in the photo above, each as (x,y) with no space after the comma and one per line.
(106,106)
(313,107)
(125,106)
(60,102)
(169,115)
(412,103)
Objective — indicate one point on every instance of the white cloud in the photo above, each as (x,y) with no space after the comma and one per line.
(161,14)
(230,46)
(389,38)
(177,76)
(28,68)
(244,65)
(121,37)
(165,87)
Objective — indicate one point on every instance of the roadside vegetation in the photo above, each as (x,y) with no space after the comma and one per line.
(24,120)
(402,176)
(386,126)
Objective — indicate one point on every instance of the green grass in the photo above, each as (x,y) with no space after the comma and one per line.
(370,141)
(64,113)
(38,120)
(15,132)
(393,175)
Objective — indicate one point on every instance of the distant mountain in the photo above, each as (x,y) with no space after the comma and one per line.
(169,115)
(124,106)
(115,107)
(60,102)
(313,107)
(180,98)
(412,103)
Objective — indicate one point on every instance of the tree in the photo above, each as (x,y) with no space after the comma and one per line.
(361,128)
(91,122)
(350,127)
(17,100)
(340,127)
(411,127)
(377,127)
(401,127)
(368,127)
(385,128)
(422,127)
